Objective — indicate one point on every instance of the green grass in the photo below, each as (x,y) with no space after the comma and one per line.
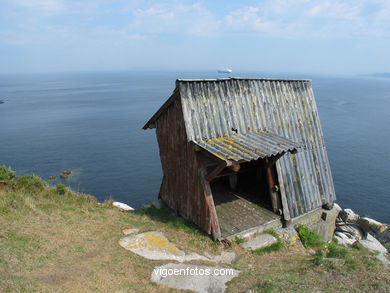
(273,247)
(60,188)
(238,240)
(308,237)
(336,251)
(167,216)
(51,242)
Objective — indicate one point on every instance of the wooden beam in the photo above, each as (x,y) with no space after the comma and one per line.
(275,197)
(209,211)
(215,172)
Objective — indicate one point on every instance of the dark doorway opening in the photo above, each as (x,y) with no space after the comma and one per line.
(245,204)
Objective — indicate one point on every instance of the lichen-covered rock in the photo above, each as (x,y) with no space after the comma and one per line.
(349,216)
(371,226)
(154,245)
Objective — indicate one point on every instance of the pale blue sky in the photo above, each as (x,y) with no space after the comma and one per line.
(289,36)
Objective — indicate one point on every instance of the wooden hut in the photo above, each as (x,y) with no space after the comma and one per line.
(239,153)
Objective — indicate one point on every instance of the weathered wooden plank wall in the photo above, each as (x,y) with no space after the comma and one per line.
(184,188)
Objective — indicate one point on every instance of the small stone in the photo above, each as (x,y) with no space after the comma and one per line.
(260,241)
(202,279)
(348,216)
(130,231)
(311,251)
(51,178)
(122,206)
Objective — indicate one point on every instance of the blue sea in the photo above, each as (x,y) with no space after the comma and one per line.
(91,123)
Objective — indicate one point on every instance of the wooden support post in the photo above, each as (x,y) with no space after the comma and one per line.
(275,198)
(209,211)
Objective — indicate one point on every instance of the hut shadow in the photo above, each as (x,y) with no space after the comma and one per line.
(168,216)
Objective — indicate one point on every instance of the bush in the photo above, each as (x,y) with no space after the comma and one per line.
(6,173)
(29,182)
(308,237)
(61,189)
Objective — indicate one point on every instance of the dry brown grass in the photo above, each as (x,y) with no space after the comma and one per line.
(69,243)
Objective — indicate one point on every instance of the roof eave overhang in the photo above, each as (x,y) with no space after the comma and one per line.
(151,122)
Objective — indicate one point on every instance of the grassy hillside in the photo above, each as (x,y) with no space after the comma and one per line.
(55,240)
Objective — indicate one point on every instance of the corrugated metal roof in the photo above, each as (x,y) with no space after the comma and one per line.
(248,146)
(212,108)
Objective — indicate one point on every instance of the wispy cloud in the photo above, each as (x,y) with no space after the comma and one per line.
(110,26)
(174,19)
(46,6)
(314,19)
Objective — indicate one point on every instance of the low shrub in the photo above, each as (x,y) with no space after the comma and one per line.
(308,237)
(29,182)
(61,189)
(6,174)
